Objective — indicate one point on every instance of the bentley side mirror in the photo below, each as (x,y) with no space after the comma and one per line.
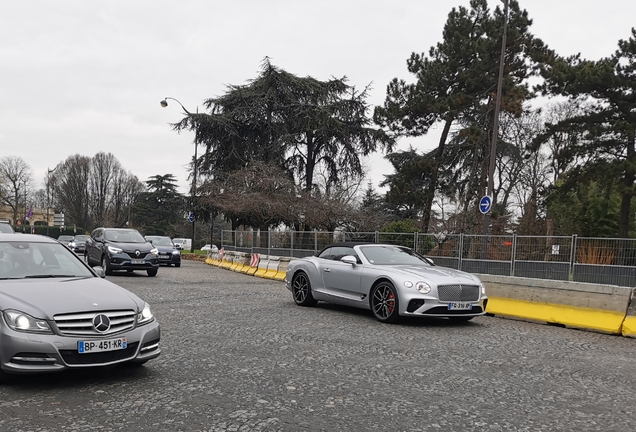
(349,259)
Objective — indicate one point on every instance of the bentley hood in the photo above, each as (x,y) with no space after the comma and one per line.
(439,275)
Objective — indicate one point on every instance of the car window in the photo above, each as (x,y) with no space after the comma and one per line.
(65,238)
(26,259)
(123,236)
(161,241)
(326,254)
(81,238)
(340,251)
(390,255)
(6,228)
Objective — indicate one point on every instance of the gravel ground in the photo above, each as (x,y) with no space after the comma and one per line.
(239,355)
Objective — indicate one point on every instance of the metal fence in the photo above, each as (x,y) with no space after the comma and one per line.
(570,258)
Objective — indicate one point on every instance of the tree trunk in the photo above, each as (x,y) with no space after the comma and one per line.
(430,194)
(628,184)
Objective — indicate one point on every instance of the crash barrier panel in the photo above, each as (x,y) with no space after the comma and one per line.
(282,268)
(237,261)
(272,267)
(247,261)
(213,258)
(262,266)
(255,258)
(596,307)
(227,259)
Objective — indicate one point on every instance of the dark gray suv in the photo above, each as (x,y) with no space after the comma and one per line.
(121,249)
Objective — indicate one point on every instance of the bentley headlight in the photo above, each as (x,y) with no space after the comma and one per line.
(20,321)
(145,316)
(423,287)
(408,284)
(114,250)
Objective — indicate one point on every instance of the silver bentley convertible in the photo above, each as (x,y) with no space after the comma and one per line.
(57,313)
(391,281)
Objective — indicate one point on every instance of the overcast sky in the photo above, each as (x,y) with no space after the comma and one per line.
(80,77)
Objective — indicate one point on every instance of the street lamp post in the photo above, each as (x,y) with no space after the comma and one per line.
(164,103)
(48,199)
(495,128)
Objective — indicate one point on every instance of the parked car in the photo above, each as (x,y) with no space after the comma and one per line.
(121,249)
(391,281)
(6,228)
(209,247)
(78,245)
(168,252)
(182,243)
(66,240)
(58,313)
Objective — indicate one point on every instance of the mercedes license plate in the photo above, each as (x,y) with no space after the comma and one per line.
(136,261)
(85,347)
(460,306)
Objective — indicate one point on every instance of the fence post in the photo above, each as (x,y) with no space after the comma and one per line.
(315,241)
(269,239)
(377,237)
(513,255)
(417,240)
(291,251)
(461,250)
(573,256)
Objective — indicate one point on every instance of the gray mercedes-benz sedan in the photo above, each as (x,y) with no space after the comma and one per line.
(58,313)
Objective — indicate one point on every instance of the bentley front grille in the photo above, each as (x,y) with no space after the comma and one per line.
(454,293)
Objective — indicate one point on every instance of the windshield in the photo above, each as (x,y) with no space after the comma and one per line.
(124,236)
(30,259)
(5,228)
(81,238)
(65,238)
(161,241)
(391,255)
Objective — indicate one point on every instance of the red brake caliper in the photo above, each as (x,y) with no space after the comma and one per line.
(391,303)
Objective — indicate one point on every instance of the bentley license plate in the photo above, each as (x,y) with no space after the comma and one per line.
(460,306)
(84,347)
(136,261)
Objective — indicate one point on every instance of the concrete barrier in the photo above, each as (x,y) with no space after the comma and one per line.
(579,305)
(272,267)
(262,266)
(282,268)
(254,263)
(227,260)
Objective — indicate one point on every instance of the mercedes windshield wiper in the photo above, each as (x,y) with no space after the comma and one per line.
(43,276)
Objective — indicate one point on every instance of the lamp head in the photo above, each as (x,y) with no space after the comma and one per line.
(164,103)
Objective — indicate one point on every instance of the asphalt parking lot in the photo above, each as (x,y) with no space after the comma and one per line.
(239,355)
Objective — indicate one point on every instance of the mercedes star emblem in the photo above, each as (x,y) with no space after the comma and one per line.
(101,323)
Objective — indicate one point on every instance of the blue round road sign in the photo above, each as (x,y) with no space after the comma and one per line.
(191,217)
(485,203)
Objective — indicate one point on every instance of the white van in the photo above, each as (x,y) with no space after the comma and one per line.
(182,243)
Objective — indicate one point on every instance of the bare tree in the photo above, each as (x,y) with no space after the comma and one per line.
(69,184)
(104,169)
(16,179)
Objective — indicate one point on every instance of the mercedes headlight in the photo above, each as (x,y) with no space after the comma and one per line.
(423,287)
(176,252)
(19,321)
(114,250)
(145,316)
